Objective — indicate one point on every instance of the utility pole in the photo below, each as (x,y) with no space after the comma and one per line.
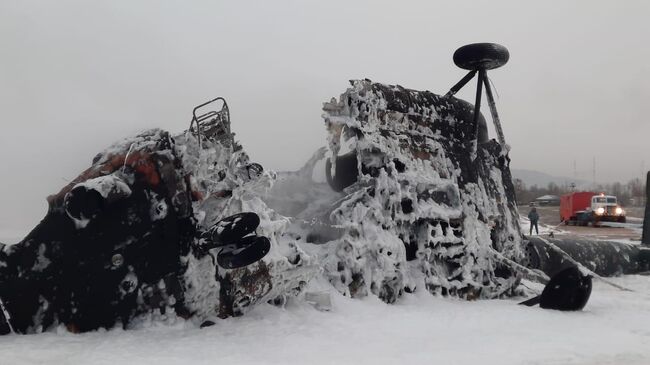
(645,237)
(594,171)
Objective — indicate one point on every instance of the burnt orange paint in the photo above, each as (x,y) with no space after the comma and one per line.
(141,162)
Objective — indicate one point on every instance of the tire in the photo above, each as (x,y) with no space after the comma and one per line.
(621,220)
(476,56)
(233,228)
(247,251)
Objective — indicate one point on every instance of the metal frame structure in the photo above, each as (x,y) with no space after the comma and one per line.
(214,117)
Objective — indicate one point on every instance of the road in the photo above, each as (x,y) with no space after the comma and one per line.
(550,217)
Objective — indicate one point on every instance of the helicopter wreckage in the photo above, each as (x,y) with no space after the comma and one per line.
(416,197)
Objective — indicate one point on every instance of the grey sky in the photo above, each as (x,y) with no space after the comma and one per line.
(77,75)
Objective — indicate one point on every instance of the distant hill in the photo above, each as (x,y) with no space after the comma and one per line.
(541,179)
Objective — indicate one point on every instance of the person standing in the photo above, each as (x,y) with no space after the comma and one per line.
(533,216)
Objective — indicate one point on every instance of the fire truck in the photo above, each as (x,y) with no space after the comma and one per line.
(582,208)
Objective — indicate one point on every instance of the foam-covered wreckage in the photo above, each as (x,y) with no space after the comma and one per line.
(414,196)
(418,208)
(407,207)
(138,236)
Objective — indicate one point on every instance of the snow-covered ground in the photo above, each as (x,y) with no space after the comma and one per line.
(543,228)
(634,226)
(420,329)
(614,328)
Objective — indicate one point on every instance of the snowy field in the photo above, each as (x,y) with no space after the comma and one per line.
(614,328)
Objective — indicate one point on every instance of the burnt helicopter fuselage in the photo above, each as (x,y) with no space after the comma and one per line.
(428,196)
(421,198)
(141,233)
(108,241)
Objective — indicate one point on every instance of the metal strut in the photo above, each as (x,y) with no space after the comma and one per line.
(212,123)
(493,111)
(645,237)
(482,81)
(460,84)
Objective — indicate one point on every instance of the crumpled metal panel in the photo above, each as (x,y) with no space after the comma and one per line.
(425,209)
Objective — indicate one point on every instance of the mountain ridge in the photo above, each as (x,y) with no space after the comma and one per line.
(542,179)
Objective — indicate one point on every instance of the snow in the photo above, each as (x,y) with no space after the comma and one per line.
(544,229)
(107,185)
(419,329)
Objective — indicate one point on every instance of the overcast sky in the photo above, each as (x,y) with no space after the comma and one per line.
(77,75)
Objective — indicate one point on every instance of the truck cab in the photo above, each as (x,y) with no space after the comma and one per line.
(606,208)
